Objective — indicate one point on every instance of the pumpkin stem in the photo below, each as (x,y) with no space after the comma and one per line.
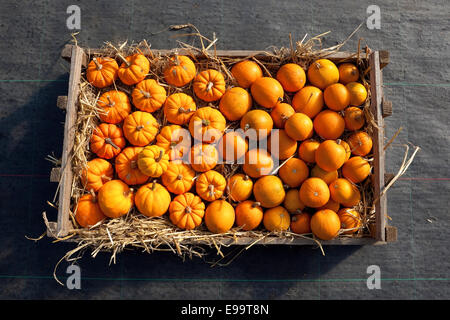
(161,153)
(124,60)
(139,128)
(211,190)
(183,110)
(105,177)
(109,141)
(205,122)
(284,117)
(94,196)
(177,61)
(154,184)
(179,177)
(210,85)
(145,93)
(246,177)
(246,127)
(111,103)
(298,211)
(256,204)
(188,209)
(97,64)
(133,164)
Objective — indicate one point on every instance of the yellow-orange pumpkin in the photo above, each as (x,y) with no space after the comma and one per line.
(325,224)
(209,85)
(360,143)
(314,192)
(348,72)
(358,93)
(276,219)
(269,191)
(292,77)
(292,201)
(344,192)
(356,169)
(322,73)
(152,199)
(219,216)
(249,215)
(210,185)
(330,155)
(239,187)
(294,172)
(148,95)
(267,92)
(186,211)
(354,118)
(299,127)
(179,71)
(309,101)
(235,103)
(257,163)
(246,72)
(329,124)
(115,198)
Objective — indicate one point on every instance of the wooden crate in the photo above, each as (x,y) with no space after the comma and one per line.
(381,232)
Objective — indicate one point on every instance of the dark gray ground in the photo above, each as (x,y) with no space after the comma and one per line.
(32,34)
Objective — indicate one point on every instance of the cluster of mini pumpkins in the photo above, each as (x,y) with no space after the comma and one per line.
(143,164)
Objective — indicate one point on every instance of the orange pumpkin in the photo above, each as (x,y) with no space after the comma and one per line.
(322,73)
(219,216)
(249,215)
(140,128)
(257,124)
(292,201)
(356,169)
(299,127)
(307,150)
(360,143)
(354,118)
(133,69)
(153,161)
(179,71)
(210,185)
(257,163)
(327,176)
(281,113)
(179,108)
(350,219)
(246,72)
(276,219)
(148,95)
(329,124)
(152,199)
(358,93)
(325,224)
(239,187)
(267,92)
(330,155)
(175,140)
(178,178)
(115,106)
(337,97)
(301,223)
(235,103)
(98,171)
(126,166)
(207,125)
(232,146)
(209,85)
(280,145)
(344,192)
(102,72)
(348,72)
(294,172)
(107,140)
(115,198)
(331,205)
(269,191)
(186,211)
(204,157)
(309,101)
(314,192)
(292,77)
(87,211)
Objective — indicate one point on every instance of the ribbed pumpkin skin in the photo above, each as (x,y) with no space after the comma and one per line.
(140,128)
(153,161)
(354,118)
(135,71)
(98,171)
(207,125)
(249,215)
(115,106)
(325,224)
(88,212)
(178,178)
(186,211)
(180,71)
(219,216)
(179,108)
(115,198)
(210,185)
(127,168)
(176,140)
(203,157)
(269,191)
(152,199)
(104,74)
(107,140)
(148,95)
(209,85)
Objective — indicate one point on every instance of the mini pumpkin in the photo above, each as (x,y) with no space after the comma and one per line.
(301,223)
(280,145)
(257,163)
(115,106)
(140,128)
(299,127)
(350,219)
(325,224)
(179,71)
(309,101)
(232,146)
(267,92)
(293,172)
(152,199)
(235,103)
(348,72)
(153,161)
(127,168)
(107,140)
(186,211)
(98,171)
(246,72)
(209,85)
(176,140)
(257,124)
(344,192)
(292,77)
(292,201)
(269,191)
(148,95)
(207,125)
(314,192)
(354,118)
(178,178)
(102,72)
(330,155)
(327,176)
(360,143)
(219,216)
(322,73)
(133,69)
(358,93)
(249,215)
(276,219)
(337,97)
(281,113)
(115,198)
(87,211)
(203,157)
(329,124)
(239,187)
(179,108)
(307,150)
(356,169)
(210,185)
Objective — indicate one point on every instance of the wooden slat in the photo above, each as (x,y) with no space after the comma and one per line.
(62,102)
(378,141)
(55,174)
(64,222)
(384,58)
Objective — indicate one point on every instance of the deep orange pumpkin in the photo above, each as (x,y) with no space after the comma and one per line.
(179,71)
(350,219)
(276,219)
(337,97)
(344,192)
(281,113)
(179,108)
(294,172)
(115,198)
(207,125)
(309,101)
(301,223)
(178,178)
(235,103)
(299,127)
(348,72)
(292,201)
(249,215)
(176,140)
(203,157)
(257,163)
(360,143)
(186,211)
(314,192)
(307,150)
(246,72)
(115,106)
(140,128)
(210,185)
(329,124)
(87,211)
(330,155)
(257,124)
(232,146)
(152,199)
(280,145)
(325,224)
(354,118)
(102,72)
(356,169)
(133,69)
(127,168)
(209,85)
(107,140)
(219,216)
(148,95)
(292,77)
(267,92)
(269,191)
(98,171)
